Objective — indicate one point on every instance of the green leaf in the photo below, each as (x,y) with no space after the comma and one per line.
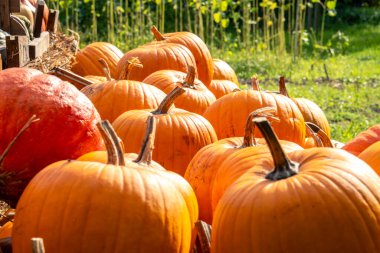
(217,17)
(331,5)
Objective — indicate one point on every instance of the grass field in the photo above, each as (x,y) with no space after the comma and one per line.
(350,99)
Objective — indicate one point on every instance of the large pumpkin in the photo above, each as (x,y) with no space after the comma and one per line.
(86,60)
(314,200)
(157,56)
(66,127)
(371,156)
(196,46)
(197,98)
(363,140)
(114,97)
(228,113)
(127,205)
(180,134)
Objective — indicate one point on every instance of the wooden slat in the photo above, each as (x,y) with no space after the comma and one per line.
(17,51)
(14,6)
(52,24)
(5,23)
(39,46)
(38,19)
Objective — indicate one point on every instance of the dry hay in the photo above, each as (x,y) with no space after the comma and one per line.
(61,53)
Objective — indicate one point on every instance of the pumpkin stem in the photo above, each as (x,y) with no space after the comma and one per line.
(190,77)
(324,140)
(282,87)
(283,167)
(203,240)
(114,150)
(255,83)
(236,90)
(106,69)
(145,155)
(168,101)
(131,63)
(22,130)
(312,134)
(249,136)
(157,35)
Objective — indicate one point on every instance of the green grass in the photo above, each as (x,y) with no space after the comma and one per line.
(350,100)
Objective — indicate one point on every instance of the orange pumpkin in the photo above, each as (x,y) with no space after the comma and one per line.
(86,60)
(6,230)
(371,156)
(311,195)
(197,98)
(228,113)
(126,205)
(180,134)
(201,171)
(363,140)
(222,87)
(223,71)
(114,97)
(197,47)
(157,56)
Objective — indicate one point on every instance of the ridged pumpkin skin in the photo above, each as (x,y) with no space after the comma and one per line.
(134,208)
(66,128)
(200,51)
(115,97)
(6,230)
(311,112)
(227,115)
(86,60)
(222,87)
(195,99)
(179,135)
(371,156)
(363,140)
(223,71)
(332,205)
(238,163)
(157,56)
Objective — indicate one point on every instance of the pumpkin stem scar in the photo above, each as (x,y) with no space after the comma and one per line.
(22,130)
(168,101)
(145,155)
(283,167)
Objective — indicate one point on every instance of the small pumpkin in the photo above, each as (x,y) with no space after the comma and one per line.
(197,98)
(157,56)
(363,140)
(127,205)
(371,156)
(197,47)
(114,97)
(180,134)
(309,194)
(86,60)
(223,71)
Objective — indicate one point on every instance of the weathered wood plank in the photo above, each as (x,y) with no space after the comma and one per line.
(5,23)
(17,51)
(38,20)
(38,46)
(52,24)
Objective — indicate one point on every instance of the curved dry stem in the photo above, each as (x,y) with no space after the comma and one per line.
(236,90)
(22,130)
(203,241)
(282,87)
(157,35)
(116,142)
(168,101)
(134,62)
(283,167)
(112,157)
(313,135)
(190,77)
(145,155)
(255,83)
(106,69)
(324,140)
(249,136)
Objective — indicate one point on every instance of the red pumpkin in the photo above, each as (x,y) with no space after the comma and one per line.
(66,127)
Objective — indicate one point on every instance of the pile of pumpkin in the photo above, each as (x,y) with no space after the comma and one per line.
(185,144)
